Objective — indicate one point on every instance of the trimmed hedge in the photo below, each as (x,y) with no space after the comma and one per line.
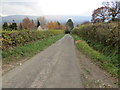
(11,39)
(103,38)
(105,62)
(104,34)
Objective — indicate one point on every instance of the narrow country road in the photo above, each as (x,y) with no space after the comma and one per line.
(56,67)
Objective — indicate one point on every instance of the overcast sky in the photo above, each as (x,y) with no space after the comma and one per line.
(49,7)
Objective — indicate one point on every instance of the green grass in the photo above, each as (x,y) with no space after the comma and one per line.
(28,50)
(102,60)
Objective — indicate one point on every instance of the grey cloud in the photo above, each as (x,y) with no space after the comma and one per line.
(27,4)
(18,0)
(19,8)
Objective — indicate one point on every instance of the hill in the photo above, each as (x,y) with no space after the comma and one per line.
(60,18)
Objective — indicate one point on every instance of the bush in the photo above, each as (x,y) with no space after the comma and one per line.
(110,64)
(101,35)
(11,39)
(104,38)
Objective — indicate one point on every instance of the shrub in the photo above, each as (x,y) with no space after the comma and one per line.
(104,34)
(11,39)
(105,39)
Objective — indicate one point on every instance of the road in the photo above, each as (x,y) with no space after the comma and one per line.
(55,67)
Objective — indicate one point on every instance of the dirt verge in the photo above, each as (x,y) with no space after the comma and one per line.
(92,75)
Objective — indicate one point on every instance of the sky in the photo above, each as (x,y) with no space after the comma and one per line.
(49,7)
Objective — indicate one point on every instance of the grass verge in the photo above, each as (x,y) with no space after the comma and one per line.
(28,50)
(102,60)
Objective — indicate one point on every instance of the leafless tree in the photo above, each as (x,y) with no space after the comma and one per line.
(114,8)
(100,14)
(42,21)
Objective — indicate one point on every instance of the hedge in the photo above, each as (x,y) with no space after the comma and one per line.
(11,39)
(105,34)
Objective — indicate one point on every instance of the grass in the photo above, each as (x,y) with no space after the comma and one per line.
(28,50)
(102,60)
(107,50)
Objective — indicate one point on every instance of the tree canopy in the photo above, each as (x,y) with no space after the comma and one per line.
(70,24)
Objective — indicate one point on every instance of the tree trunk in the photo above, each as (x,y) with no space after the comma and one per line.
(113,18)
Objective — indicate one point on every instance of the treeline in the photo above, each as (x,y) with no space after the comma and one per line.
(40,23)
(25,24)
(10,26)
(107,13)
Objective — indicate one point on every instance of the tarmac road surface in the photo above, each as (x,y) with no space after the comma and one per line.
(55,67)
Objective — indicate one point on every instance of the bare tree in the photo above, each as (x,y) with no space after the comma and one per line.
(42,21)
(114,8)
(100,14)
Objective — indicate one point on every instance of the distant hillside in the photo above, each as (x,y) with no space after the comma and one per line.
(17,18)
(63,19)
(60,18)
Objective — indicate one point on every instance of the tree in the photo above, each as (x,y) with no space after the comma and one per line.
(32,21)
(52,25)
(42,21)
(20,26)
(10,27)
(100,14)
(14,25)
(33,24)
(118,16)
(114,8)
(5,26)
(70,24)
(97,20)
(27,24)
(58,23)
(38,23)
